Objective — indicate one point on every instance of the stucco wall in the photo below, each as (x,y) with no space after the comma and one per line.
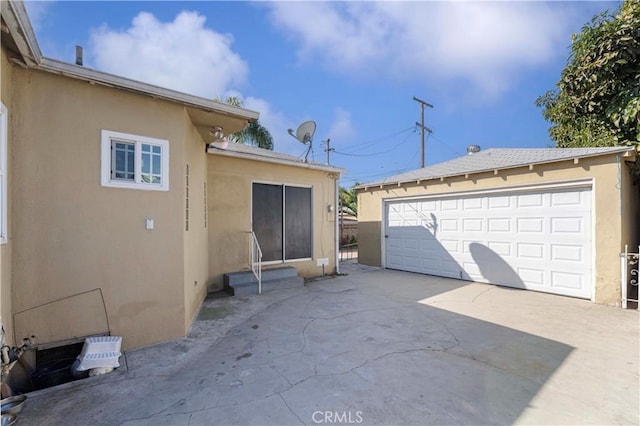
(6,312)
(608,221)
(196,242)
(631,209)
(229,198)
(76,236)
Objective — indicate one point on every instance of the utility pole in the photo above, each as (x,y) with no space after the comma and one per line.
(422,127)
(328,149)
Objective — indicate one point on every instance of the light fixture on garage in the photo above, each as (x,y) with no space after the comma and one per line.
(304,134)
(217,133)
(219,140)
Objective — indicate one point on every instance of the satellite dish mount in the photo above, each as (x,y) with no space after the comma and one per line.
(304,135)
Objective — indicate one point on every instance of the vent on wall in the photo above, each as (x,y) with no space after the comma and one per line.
(206,219)
(186,213)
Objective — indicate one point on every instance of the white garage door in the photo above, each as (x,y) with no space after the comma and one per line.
(534,240)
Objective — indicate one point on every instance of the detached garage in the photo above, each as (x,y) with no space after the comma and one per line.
(551,220)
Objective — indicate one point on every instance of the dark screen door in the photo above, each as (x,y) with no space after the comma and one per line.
(282,234)
(297,222)
(267,220)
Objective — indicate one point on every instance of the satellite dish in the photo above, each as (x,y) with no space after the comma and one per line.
(304,134)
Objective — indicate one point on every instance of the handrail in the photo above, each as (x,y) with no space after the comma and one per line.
(256,260)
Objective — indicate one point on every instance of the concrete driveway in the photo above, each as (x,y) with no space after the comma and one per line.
(373,347)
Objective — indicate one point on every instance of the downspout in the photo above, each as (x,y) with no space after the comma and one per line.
(336,226)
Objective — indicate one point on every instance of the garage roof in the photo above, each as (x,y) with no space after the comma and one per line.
(495,159)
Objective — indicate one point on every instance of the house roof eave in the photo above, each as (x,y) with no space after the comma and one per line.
(285,162)
(20,29)
(111,80)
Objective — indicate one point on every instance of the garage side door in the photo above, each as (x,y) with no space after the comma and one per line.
(534,240)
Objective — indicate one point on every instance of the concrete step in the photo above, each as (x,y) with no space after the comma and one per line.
(252,288)
(243,283)
(244,277)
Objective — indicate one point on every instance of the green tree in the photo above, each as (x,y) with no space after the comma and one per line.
(349,200)
(255,134)
(597,100)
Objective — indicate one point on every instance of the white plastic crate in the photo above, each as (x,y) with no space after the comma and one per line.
(101,344)
(96,360)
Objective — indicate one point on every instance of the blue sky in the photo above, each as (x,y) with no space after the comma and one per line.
(353,67)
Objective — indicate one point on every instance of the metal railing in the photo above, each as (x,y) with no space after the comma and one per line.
(348,252)
(256,260)
(629,277)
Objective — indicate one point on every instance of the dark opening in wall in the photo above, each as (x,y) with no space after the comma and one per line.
(53,366)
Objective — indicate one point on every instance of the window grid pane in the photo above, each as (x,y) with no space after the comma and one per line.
(123,161)
(151,164)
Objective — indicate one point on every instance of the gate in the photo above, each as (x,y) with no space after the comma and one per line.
(629,277)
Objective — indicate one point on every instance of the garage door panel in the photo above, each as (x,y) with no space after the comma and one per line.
(451,246)
(502,224)
(450,268)
(566,280)
(394,243)
(564,252)
(529,200)
(567,225)
(449,225)
(535,240)
(449,204)
(472,203)
(567,199)
(411,243)
(472,225)
(501,248)
(530,276)
(530,224)
(473,270)
(412,262)
(427,207)
(531,250)
(499,202)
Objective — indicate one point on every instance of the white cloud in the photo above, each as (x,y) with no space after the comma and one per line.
(37,11)
(342,130)
(182,55)
(482,43)
(276,123)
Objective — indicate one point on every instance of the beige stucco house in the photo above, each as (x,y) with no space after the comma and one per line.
(116,216)
(551,220)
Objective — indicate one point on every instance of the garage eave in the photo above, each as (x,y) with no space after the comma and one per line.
(629,153)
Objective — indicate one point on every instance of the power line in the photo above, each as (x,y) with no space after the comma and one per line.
(377,153)
(382,138)
(452,148)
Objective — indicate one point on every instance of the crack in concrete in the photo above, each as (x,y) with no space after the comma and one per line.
(290,410)
(346,314)
(448,330)
(482,293)
(282,375)
(158,413)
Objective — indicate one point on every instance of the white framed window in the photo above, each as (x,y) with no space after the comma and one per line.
(3,173)
(135,162)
